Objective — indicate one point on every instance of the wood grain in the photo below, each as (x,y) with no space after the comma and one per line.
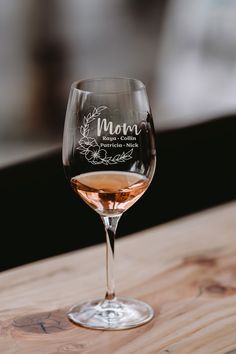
(185,269)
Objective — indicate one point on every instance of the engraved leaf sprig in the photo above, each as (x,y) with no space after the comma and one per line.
(84,129)
(119,157)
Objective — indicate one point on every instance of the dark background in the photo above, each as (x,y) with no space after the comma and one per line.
(42,217)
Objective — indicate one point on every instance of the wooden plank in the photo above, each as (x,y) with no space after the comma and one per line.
(185,269)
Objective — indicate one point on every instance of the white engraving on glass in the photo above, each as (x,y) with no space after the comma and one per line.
(89,147)
(105,126)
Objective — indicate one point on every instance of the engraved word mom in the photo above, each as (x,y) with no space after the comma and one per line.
(105,126)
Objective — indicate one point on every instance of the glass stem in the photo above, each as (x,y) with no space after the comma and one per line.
(110,223)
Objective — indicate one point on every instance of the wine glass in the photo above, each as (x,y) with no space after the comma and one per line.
(109,158)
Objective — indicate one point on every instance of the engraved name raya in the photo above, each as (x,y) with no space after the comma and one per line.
(94,152)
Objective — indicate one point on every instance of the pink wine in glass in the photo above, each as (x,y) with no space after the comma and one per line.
(110,192)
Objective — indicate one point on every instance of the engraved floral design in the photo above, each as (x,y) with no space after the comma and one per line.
(95,155)
(87,142)
(89,147)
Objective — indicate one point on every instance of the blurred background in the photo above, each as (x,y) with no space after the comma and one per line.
(185,53)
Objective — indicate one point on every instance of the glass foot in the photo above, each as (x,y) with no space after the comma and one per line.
(120,313)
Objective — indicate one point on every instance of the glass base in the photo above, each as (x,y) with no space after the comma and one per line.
(117,314)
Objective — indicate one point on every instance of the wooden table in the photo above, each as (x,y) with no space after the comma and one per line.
(185,269)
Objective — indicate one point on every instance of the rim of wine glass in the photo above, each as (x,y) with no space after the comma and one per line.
(139,82)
